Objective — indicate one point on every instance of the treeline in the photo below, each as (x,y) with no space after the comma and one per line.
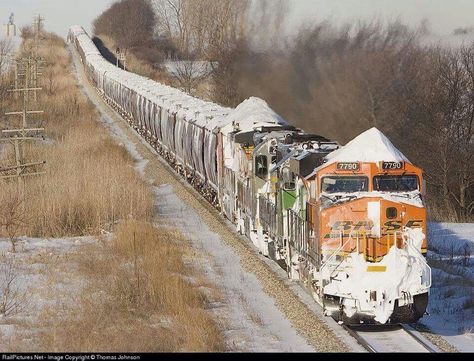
(131,25)
(340,82)
(336,81)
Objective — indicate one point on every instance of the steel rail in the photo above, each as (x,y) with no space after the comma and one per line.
(365,343)
(360,340)
(409,329)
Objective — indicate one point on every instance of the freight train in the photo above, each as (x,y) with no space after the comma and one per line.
(348,221)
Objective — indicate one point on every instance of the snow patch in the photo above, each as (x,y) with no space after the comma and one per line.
(451,301)
(254,321)
(114,129)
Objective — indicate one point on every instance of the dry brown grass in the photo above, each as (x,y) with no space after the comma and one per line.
(137,293)
(90,183)
(137,299)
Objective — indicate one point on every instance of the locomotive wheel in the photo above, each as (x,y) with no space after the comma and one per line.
(410,313)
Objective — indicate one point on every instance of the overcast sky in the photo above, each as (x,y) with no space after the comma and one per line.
(443,15)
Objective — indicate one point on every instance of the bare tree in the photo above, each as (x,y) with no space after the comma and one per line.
(173,21)
(12,215)
(129,22)
(207,28)
(190,73)
(27,32)
(6,52)
(12,298)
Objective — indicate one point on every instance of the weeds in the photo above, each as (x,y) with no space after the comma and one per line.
(13,215)
(137,298)
(88,185)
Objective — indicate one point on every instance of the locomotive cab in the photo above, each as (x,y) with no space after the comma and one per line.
(371,225)
(366,206)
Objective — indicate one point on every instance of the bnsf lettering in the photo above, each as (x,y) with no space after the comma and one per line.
(349,225)
(342,226)
(414,224)
(393,225)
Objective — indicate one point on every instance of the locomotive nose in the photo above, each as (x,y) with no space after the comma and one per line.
(389,220)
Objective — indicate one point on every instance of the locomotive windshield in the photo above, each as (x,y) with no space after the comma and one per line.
(404,183)
(338,184)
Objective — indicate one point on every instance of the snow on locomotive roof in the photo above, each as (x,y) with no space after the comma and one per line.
(250,114)
(370,146)
(253,112)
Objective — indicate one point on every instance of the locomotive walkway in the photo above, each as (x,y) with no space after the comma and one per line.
(279,308)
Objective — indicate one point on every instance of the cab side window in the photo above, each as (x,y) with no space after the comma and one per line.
(261,166)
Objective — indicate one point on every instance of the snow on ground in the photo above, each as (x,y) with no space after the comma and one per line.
(41,271)
(451,305)
(254,321)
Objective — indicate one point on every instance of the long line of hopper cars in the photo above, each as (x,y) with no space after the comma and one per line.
(348,222)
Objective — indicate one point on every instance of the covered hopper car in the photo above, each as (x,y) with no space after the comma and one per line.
(348,222)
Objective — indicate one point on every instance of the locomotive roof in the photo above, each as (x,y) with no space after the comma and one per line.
(250,114)
(370,146)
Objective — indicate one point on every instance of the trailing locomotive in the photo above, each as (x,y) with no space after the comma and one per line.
(349,222)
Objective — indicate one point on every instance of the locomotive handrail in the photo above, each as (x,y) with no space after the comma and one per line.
(423,260)
(334,254)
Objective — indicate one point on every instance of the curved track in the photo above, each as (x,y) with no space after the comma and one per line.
(394,338)
(373,339)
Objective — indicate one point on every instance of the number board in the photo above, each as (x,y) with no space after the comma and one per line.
(348,166)
(393,165)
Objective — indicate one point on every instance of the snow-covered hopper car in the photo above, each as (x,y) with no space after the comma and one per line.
(349,222)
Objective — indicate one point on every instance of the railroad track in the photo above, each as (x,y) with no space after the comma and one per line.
(393,338)
(369,339)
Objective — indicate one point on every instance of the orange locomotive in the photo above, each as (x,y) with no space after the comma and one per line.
(364,253)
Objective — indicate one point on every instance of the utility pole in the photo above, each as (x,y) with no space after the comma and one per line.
(23,133)
(37,24)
